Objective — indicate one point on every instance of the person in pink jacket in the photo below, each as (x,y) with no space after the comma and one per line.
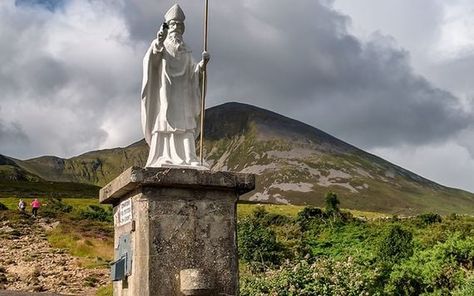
(35,205)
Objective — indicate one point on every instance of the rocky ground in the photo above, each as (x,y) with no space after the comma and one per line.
(18,293)
(29,263)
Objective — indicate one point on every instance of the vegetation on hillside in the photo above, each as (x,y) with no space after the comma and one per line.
(84,229)
(296,164)
(329,252)
(42,189)
(290,250)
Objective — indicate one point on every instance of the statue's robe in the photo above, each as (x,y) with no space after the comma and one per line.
(170,98)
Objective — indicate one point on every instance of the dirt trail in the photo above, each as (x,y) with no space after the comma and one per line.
(29,263)
(16,293)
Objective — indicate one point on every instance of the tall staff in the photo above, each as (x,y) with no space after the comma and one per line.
(204,83)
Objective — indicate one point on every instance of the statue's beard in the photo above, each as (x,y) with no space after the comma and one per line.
(175,45)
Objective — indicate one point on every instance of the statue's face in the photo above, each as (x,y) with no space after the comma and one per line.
(175,26)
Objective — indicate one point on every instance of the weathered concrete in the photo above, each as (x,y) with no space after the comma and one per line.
(196,282)
(183,230)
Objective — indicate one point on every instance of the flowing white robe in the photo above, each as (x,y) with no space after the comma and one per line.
(170,97)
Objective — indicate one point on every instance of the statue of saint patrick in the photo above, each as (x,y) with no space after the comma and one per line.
(171,95)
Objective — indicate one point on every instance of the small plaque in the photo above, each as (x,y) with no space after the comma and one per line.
(125,212)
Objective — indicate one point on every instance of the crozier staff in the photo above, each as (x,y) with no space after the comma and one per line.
(171,96)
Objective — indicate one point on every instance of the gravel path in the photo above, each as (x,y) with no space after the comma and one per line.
(16,293)
(29,264)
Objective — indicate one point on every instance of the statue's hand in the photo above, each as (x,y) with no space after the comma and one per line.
(162,33)
(156,46)
(206,57)
(161,36)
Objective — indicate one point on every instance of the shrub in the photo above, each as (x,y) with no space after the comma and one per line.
(332,203)
(309,214)
(429,218)
(324,277)
(262,216)
(276,219)
(258,245)
(54,206)
(396,244)
(467,289)
(97,213)
(3,207)
(437,270)
(259,213)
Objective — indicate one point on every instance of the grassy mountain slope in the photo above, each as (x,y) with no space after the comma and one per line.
(16,180)
(296,163)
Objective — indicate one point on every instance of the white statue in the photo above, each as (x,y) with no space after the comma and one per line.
(171,95)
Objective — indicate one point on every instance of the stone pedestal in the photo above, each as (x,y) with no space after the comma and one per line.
(175,231)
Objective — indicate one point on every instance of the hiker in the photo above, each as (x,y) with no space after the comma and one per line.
(22,205)
(35,205)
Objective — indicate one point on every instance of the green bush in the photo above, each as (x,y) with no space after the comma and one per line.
(54,207)
(262,216)
(276,219)
(332,203)
(425,255)
(308,215)
(440,269)
(467,289)
(3,207)
(396,244)
(325,277)
(259,213)
(258,245)
(429,218)
(97,213)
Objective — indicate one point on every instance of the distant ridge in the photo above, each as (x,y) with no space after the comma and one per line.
(296,163)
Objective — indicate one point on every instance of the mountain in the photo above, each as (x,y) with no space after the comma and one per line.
(296,164)
(17,180)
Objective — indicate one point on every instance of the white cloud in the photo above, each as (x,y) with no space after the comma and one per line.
(456,36)
(66,73)
(70,76)
(440,40)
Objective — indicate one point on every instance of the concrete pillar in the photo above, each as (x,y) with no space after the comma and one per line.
(175,231)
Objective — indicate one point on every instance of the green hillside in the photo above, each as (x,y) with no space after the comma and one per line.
(96,167)
(296,164)
(16,181)
(329,252)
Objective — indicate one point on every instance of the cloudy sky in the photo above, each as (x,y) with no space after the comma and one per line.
(392,77)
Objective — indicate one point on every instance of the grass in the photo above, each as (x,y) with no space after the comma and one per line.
(26,189)
(91,242)
(76,203)
(243,209)
(105,291)
(246,209)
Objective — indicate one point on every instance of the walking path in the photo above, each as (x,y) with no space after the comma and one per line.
(16,293)
(28,263)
